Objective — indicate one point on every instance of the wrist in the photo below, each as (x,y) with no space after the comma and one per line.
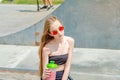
(43,77)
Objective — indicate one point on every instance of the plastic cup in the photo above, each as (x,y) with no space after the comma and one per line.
(52,66)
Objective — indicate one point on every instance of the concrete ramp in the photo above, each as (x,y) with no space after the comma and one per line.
(20,23)
(93,23)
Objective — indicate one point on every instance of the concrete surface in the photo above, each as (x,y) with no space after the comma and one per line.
(87,64)
(96,22)
(92,23)
(14,18)
(19,23)
(18,74)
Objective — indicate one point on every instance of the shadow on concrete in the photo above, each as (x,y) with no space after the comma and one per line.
(26,11)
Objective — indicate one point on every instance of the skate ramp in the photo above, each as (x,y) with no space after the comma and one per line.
(92,23)
(20,23)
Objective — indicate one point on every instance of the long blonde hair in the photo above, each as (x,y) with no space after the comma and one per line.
(45,39)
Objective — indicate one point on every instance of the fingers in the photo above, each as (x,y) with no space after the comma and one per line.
(47,73)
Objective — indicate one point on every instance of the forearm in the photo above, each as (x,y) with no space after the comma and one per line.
(43,77)
(66,73)
(67,67)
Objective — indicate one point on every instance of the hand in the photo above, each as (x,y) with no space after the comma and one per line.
(46,74)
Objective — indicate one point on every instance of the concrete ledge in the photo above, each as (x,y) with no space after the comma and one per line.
(18,74)
(87,64)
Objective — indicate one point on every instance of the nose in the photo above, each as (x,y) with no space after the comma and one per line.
(59,32)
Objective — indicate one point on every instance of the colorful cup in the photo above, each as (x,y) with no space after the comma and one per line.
(52,66)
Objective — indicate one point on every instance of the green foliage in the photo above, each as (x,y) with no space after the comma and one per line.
(5,1)
(25,1)
(31,1)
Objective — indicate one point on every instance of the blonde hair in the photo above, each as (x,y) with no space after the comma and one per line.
(45,39)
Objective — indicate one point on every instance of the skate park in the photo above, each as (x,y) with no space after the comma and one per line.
(93,24)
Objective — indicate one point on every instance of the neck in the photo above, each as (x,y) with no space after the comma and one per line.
(59,40)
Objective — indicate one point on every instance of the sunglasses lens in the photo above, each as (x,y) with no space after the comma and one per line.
(54,32)
(61,28)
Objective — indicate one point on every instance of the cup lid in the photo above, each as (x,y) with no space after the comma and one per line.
(52,65)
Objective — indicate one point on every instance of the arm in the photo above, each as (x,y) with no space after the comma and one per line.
(68,63)
(46,72)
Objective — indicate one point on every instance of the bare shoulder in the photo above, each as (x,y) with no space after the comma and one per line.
(46,50)
(70,39)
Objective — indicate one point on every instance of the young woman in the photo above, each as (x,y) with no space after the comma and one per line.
(55,46)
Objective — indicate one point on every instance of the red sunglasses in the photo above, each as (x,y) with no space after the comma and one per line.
(55,32)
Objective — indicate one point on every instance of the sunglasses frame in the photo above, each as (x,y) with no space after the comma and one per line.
(60,28)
